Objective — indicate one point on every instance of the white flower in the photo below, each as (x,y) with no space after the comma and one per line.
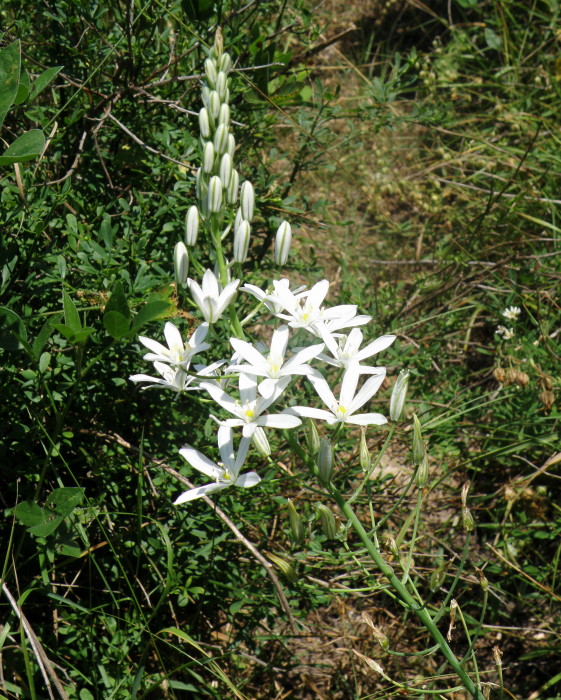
(226,473)
(178,352)
(248,409)
(273,366)
(176,378)
(506,333)
(345,349)
(342,410)
(211,299)
(305,310)
(512,313)
(268,298)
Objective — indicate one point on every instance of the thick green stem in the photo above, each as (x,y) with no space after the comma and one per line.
(405,596)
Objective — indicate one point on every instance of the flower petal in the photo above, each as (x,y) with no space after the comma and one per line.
(198,492)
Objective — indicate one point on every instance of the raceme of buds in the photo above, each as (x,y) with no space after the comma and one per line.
(260,442)
(208,157)
(181,264)
(325,461)
(210,70)
(247,200)
(204,123)
(221,139)
(399,392)
(283,241)
(327,522)
(296,525)
(233,186)
(241,241)
(418,442)
(364,453)
(225,170)
(422,475)
(214,194)
(192,226)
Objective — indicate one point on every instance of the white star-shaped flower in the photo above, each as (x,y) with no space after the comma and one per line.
(177,353)
(176,378)
(211,299)
(345,349)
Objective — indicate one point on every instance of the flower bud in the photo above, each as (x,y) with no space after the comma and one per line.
(497,653)
(482,579)
(282,243)
(296,525)
(422,475)
(437,577)
(260,442)
(214,198)
(391,546)
(468,522)
(221,85)
(364,453)
(247,200)
(418,443)
(312,437)
(224,114)
(210,70)
(205,95)
(284,566)
(231,146)
(221,139)
(399,393)
(325,461)
(208,157)
(233,186)
(225,170)
(218,46)
(380,637)
(239,218)
(241,241)
(181,264)
(225,64)
(327,522)
(192,225)
(204,123)
(214,105)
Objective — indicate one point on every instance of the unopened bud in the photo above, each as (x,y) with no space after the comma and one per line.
(247,200)
(325,461)
(419,450)
(283,241)
(214,194)
(482,579)
(233,186)
(437,577)
(221,139)
(497,657)
(221,85)
(218,47)
(181,264)
(205,95)
(399,392)
(422,475)
(364,453)
(312,437)
(225,170)
(260,442)
(225,64)
(224,114)
(241,241)
(296,525)
(204,123)
(210,70)
(191,225)
(208,157)
(327,522)
(214,103)
(231,146)
(467,520)
(284,566)
(391,546)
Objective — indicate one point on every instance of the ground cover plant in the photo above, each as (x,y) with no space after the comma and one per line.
(448,238)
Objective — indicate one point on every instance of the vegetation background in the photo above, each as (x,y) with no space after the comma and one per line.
(415,148)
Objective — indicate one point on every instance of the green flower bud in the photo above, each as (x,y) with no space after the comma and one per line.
(422,475)
(208,157)
(312,437)
(247,200)
(399,393)
(327,522)
(260,442)
(482,579)
(211,73)
(233,186)
(191,225)
(437,577)
(214,199)
(231,146)
(204,123)
(325,461)
(467,520)
(214,103)
(225,64)
(296,525)
(224,114)
(222,85)
(181,264)
(225,170)
(284,566)
(283,241)
(241,241)
(419,450)
(221,139)
(364,453)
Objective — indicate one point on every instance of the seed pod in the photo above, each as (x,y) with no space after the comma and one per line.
(325,461)
(363,453)
(482,579)
(296,525)
(547,398)
(192,226)
(467,520)
(422,475)
(399,393)
(499,374)
(283,241)
(284,566)
(379,635)
(437,577)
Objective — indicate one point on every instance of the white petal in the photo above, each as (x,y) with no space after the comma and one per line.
(203,464)
(322,389)
(309,412)
(376,346)
(367,419)
(348,385)
(279,342)
(248,480)
(367,391)
(153,345)
(198,492)
(318,293)
(173,336)
(248,352)
(279,420)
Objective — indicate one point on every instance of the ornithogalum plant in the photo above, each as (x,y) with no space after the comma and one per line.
(311,342)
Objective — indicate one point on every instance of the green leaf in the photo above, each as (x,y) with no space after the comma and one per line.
(9,77)
(39,521)
(66,331)
(118,301)
(83,334)
(26,147)
(42,337)
(71,316)
(493,40)
(23,88)
(149,312)
(43,80)
(65,499)
(12,330)
(116,324)
(44,362)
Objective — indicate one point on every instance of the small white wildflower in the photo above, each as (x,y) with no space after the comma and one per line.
(511,313)
(505,333)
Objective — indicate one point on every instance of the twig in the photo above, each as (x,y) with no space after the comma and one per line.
(523,573)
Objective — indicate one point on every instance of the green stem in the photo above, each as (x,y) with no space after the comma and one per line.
(405,596)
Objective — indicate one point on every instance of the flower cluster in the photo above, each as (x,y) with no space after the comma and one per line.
(511,313)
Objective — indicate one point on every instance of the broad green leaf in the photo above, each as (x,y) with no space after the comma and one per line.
(42,337)
(83,334)
(39,521)
(116,324)
(43,80)
(149,312)
(66,331)
(118,301)
(26,147)
(71,316)
(65,499)
(44,361)
(23,88)
(12,330)
(9,77)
